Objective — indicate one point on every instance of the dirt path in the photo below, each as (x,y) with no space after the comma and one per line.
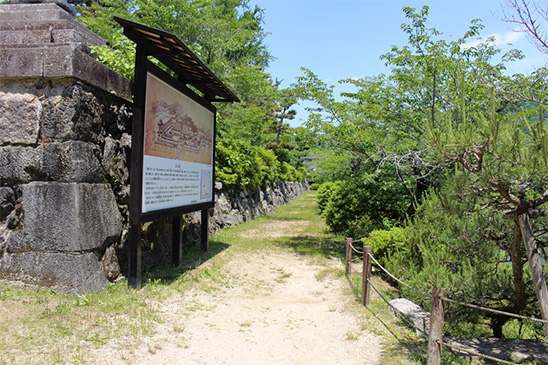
(277,308)
(264,306)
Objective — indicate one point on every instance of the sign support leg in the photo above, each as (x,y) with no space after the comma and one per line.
(205,230)
(177,243)
(134,257)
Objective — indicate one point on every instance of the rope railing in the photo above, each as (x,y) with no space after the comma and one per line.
(355,249)
(394,308)
(356,271)
(398,280)
(496,311)
(438,297)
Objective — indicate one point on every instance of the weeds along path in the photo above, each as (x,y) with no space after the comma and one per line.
(274,294)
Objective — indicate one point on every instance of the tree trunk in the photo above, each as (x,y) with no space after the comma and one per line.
(497,322)
(516,253)
(420,189)
(535,265)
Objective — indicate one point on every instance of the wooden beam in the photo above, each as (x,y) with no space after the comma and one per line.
(535,265)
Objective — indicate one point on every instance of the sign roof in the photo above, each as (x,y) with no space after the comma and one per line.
(173,53)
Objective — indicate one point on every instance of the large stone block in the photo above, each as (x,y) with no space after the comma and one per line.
(75,273)
(24,37)
(22,62)
(69,217)
(74,115)
(412,313)
(33,12)
(57,60)
(63,4)
(115,158)
(19,118)
(71,161)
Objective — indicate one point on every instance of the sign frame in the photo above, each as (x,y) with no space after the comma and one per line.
(137,215)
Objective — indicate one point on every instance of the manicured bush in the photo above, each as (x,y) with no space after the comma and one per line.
(324,193)
(240,163)
(269,165)
(314,186)
(365,203)
(386,242)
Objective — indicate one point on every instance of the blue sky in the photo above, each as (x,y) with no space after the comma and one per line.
(339,39)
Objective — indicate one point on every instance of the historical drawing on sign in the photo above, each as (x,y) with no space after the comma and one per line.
(176,127)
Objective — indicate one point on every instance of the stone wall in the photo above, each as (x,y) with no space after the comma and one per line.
(65,148)
(63,199)
(232,207)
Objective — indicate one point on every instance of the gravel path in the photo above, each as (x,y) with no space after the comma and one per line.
(269,308)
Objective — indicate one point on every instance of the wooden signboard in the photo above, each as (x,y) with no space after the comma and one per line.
(173,138)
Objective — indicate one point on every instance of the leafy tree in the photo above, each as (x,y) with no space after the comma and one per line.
(382,122)
(228,36)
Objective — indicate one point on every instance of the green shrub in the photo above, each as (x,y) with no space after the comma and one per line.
(242,164)
(301,174)
(324,193)
(386,242)
(287,172)
(365,203)
(268,165)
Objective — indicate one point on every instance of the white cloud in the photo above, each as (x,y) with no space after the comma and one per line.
(498,39)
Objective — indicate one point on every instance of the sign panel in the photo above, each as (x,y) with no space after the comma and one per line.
(175,172)
(178,149)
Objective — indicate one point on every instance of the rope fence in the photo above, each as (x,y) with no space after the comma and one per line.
(496,311)
(438,298)
(394,308)
(398,280)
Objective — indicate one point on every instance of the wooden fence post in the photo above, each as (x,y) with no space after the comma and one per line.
(436,327)
(366,274)
(348,256)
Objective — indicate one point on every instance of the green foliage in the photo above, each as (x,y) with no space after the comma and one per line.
(451,243)
(363,204)
(120,58)
(505,155)
(314,186)
(327,165)
(325,191)
(290,173)
(387,242)
(269,165)
(228,36)
(238,163)
(502,163)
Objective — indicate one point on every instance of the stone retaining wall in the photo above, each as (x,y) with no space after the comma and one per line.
(65,148)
